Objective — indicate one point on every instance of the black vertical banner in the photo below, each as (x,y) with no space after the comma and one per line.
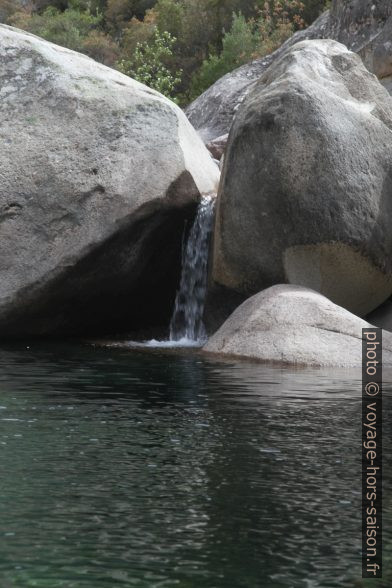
(371,453)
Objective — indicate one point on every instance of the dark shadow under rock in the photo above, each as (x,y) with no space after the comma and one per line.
(127,283)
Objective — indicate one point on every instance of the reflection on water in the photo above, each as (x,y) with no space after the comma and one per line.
(166,470)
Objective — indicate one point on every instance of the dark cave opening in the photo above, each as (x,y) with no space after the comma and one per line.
(126,285)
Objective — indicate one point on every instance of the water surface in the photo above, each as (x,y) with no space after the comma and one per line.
(154,469)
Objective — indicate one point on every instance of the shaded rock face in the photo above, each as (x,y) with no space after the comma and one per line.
(363,26)
(382,316)
(294,325)
(98,177)
(217,146)
(359,24)
(306,191)
(358,21)
(212,112)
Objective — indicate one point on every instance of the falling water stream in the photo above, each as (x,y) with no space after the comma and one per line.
(186,324)
(187,320)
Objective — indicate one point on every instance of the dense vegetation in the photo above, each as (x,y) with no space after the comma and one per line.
(179,47)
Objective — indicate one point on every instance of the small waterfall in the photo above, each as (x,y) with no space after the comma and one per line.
(187,319)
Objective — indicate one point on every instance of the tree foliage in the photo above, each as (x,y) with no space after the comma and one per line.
(238,47)
(147,64)
(179,47)
(69,28)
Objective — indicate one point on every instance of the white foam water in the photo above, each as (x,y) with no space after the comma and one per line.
(167,343)
(187,320)
(186,325)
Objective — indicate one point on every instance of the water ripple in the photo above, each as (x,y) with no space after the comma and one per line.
(157,469)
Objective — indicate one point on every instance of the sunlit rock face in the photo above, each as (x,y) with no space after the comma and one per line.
(306,191)
(98,175)
(363,26)
(294,325)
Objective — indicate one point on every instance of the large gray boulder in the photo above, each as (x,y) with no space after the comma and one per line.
(364,26)
(294,325)
(98,175)
(306,191)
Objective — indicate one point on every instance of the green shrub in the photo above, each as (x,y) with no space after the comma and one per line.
(239,45)
(68,28)
(101,47)
(148,64)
